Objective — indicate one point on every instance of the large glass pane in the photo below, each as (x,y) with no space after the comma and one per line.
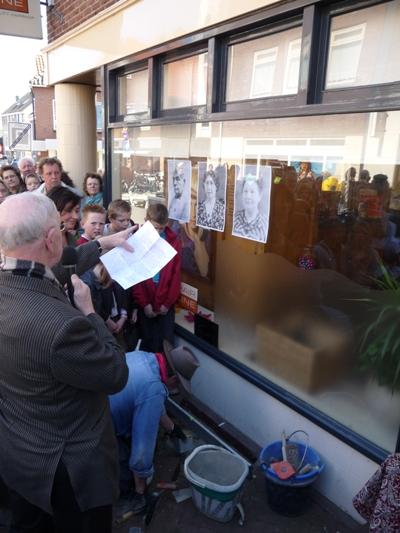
(139,159)
(134,93)
(363,47)
(297,309)
(185,82)
(264,67)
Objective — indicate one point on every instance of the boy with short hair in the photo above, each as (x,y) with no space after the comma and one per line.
(156,297)
(119,214)
(92,223)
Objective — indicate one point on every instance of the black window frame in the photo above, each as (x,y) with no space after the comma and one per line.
(196,113)
(386,93)
(311,99)
(262,104)
(115,104)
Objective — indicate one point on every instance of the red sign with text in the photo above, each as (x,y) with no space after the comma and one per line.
(15,5)
(187,303)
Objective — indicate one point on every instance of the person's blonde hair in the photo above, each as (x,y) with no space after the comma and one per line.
(118,206)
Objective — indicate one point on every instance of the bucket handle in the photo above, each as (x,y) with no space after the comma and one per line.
(188,459)
(305,448)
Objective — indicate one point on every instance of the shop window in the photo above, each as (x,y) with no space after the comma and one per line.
(134,93)
(264,67)
(185,82)
(293,309)
(363,47)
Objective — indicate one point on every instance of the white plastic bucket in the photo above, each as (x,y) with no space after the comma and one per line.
(217,478)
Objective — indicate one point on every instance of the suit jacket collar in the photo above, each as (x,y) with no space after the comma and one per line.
(40,285)
(23,267)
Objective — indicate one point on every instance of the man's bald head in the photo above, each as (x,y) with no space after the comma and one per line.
(24,219)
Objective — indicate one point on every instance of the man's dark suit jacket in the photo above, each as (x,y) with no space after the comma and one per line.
(56,369)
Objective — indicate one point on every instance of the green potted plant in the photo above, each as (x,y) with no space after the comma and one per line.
(379,348)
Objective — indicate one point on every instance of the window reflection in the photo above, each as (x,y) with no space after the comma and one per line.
(133,93)
(185,82)
(344,55)
(263,72)
(294,309)
(363,47)
(268,66)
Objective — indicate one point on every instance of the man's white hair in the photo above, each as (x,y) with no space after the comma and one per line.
(25,218)
(25,159)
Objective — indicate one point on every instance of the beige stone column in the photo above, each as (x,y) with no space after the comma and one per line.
(76,129)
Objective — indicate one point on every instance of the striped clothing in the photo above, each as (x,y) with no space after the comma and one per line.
(57,368)
(255,230)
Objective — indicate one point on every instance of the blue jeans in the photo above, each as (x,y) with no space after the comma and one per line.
(136,412)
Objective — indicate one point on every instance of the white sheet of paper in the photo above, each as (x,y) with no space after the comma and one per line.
(151,253)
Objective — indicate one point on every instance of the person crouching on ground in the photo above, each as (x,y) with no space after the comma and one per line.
(137,411)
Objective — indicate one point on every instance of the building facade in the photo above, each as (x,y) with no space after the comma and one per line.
(298,101)
(29,125)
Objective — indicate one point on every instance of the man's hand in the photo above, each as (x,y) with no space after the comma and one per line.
(148,311)
(120,324)
(82,296)
(134,316)
(163,310)
(111,325)
(118,239)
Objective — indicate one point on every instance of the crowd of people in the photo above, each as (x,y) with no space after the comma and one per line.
(77,396)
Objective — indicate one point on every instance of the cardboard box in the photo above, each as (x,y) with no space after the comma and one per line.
(311,354)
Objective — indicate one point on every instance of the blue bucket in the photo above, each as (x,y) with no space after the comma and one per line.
(273,453)
(289,497)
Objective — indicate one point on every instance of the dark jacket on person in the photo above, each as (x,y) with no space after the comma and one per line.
(57,368)
(88,255)
(105,298)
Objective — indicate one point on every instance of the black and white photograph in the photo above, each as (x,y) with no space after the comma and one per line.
(252,202)
(179,185)
(211,196)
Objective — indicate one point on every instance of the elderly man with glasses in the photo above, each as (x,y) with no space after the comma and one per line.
(58,454)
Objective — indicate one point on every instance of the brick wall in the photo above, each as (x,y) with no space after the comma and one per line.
(43,113)
(74,13)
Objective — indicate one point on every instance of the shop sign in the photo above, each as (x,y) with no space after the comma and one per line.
(21,18)
(15,5)
(188,298)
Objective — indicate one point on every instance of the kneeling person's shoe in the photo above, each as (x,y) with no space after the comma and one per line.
(177,433)
(138,503)
(125,509)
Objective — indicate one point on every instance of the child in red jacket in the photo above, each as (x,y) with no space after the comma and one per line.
(156,297)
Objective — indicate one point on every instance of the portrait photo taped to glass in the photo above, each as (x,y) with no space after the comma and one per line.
(179,185)
(252,202)
(211,196)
